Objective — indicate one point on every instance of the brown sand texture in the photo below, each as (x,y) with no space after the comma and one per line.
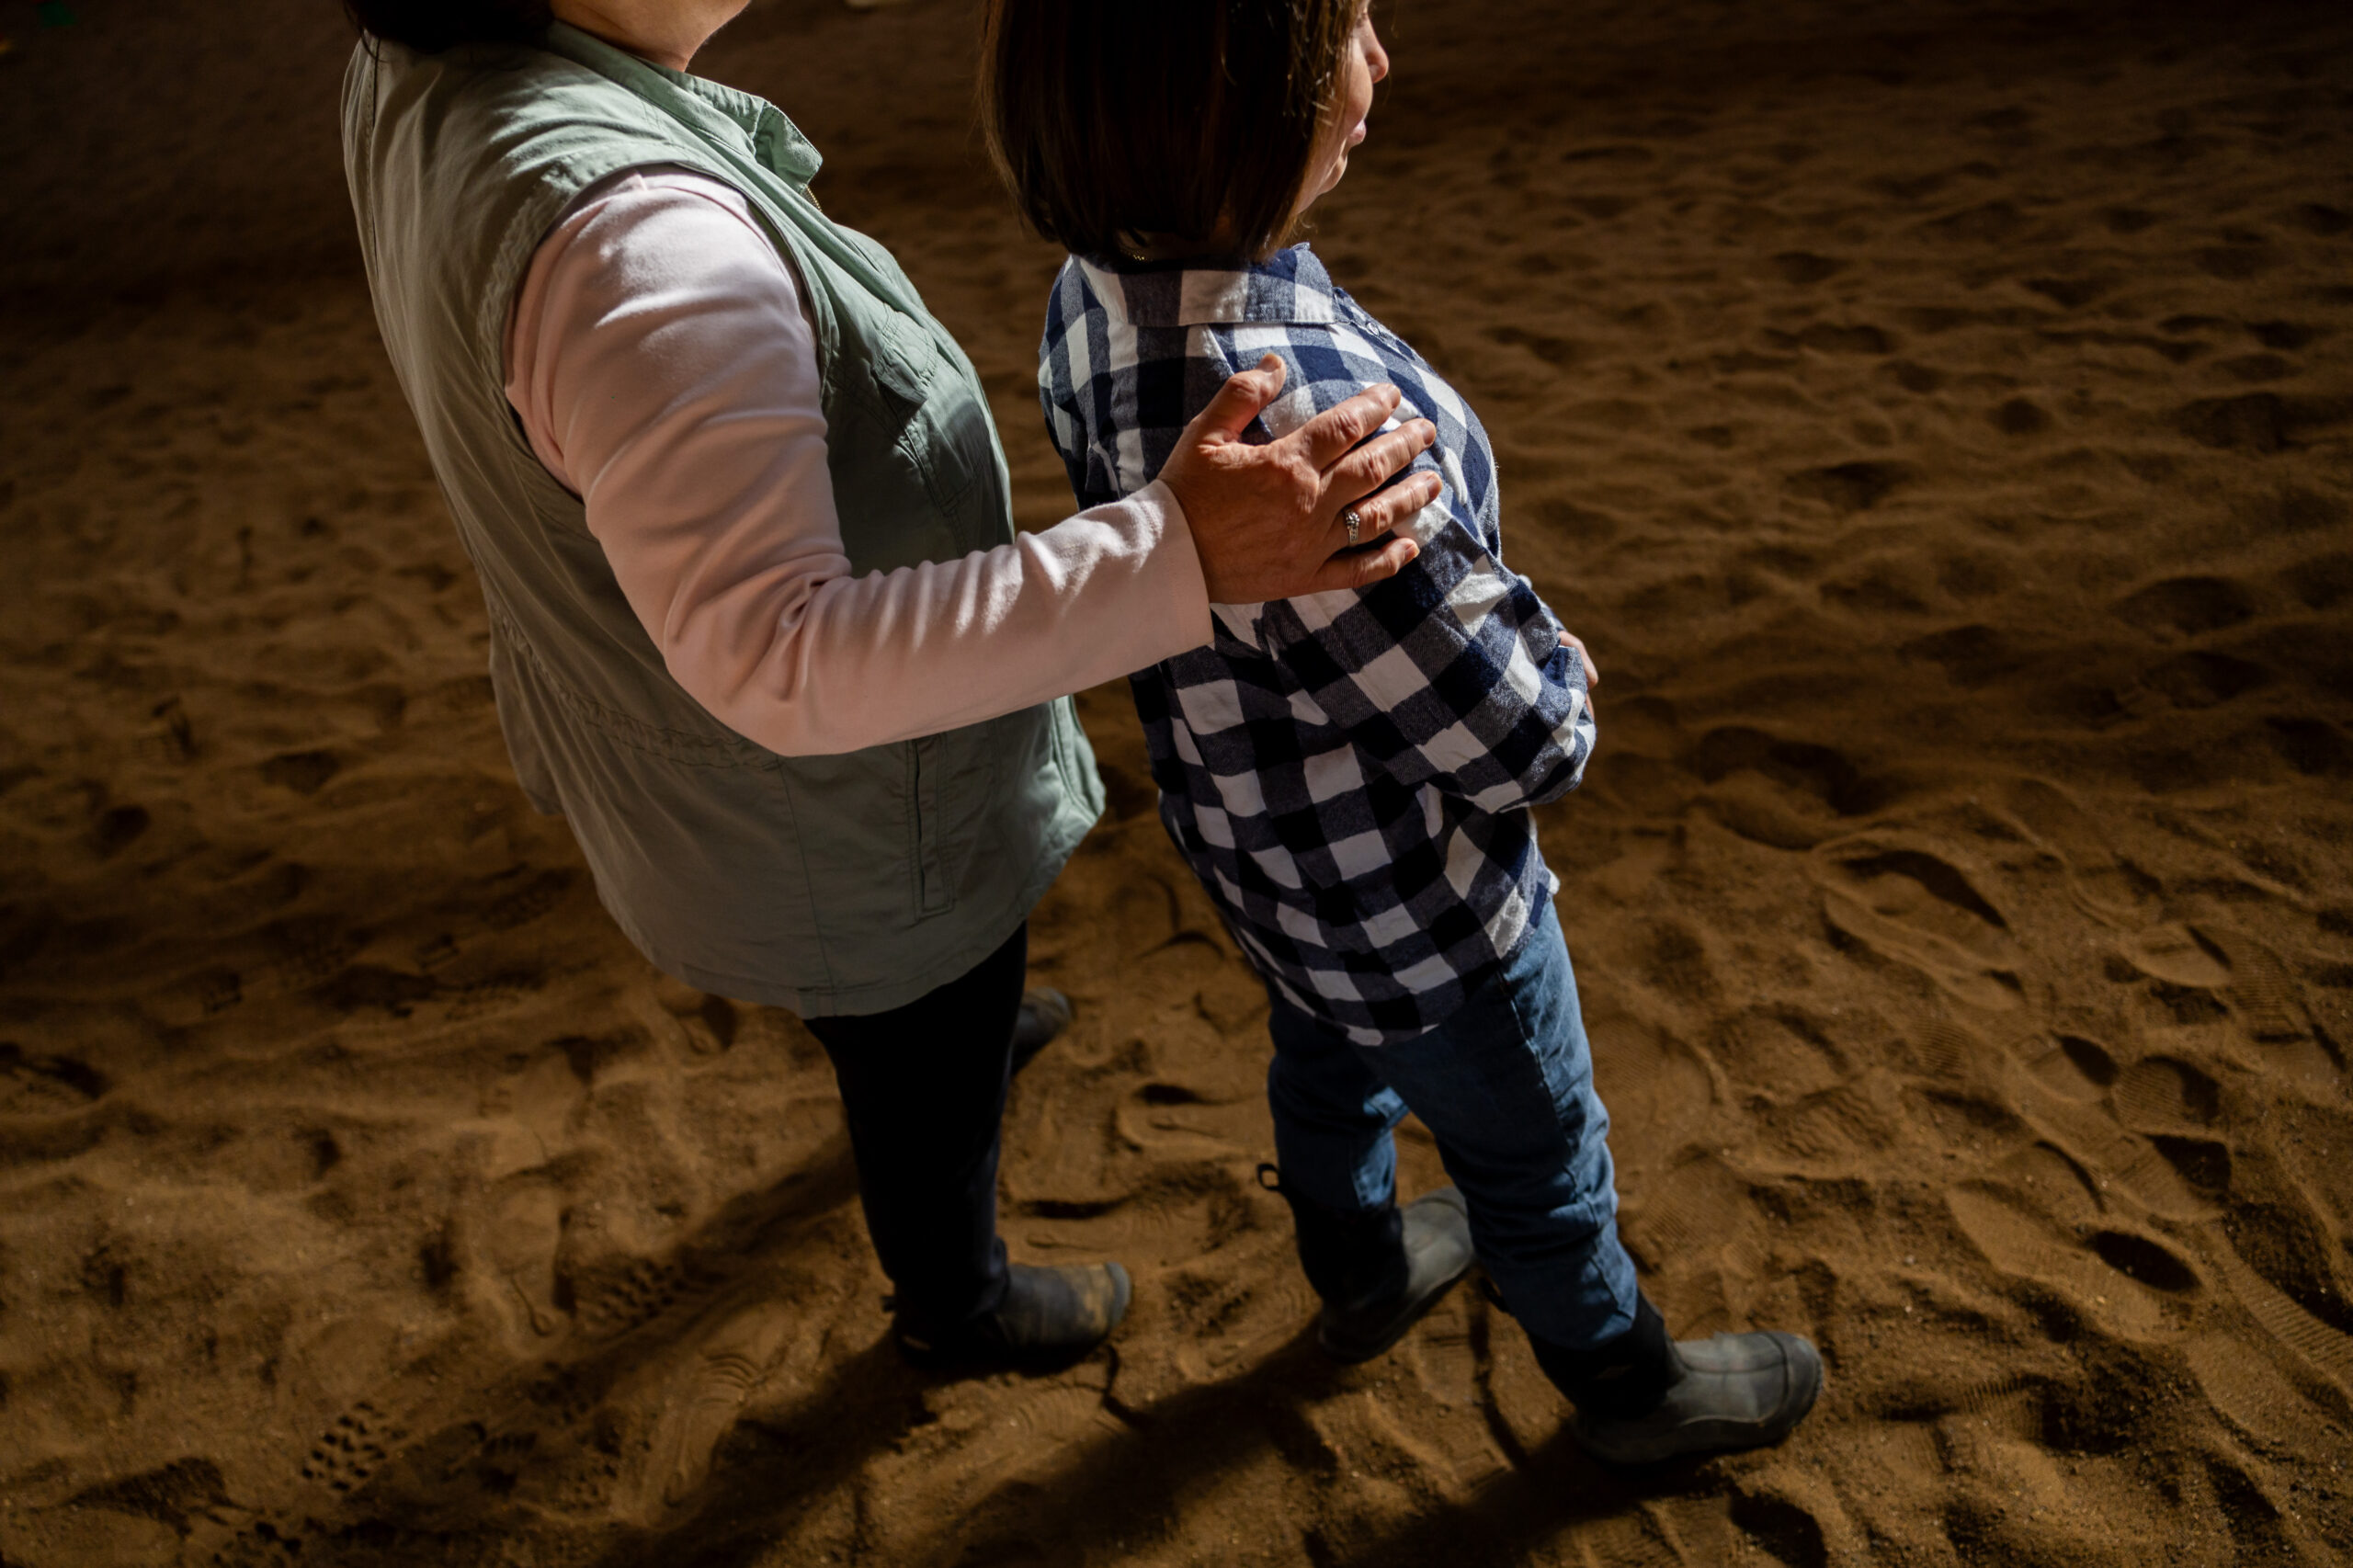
(1936,417)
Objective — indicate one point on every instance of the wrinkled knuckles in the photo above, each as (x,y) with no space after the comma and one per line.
(1364,571)
(1305,480)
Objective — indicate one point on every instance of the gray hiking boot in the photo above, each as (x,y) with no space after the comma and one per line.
(1643,1397)
(1045,1013)
(1050,1317)
(1436,1234)
(1378,1271)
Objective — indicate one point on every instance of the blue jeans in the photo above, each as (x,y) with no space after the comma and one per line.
(1506,1084)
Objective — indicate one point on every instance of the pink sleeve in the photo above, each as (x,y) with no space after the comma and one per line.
(664,373)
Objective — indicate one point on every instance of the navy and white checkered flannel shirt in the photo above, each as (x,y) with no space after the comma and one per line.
(1348,773)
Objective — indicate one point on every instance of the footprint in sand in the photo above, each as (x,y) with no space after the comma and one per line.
(352,1448)
(1651,1079)
(2107,888)
(2061,1189)
(1699,1216)
(1829,1130)
(1788,1529)
(217,990)
(2269,1000)
(178,1495)
(614,1297)
(701,1401)
(2178,955)
(2203,1163)
(1217,1314)
(2075,1068)
(2321,582)
(308,952)
(1775,791)
(1444,1353)
(45,1085)
(265,1543)
(2250,1393)
(2086,1133)
(527,903)
(2130,1282)
(2202,679)
(1914,907)
(517,1239)
(1852,486)
(2319,1346)
(2216,973)
(2162,1094)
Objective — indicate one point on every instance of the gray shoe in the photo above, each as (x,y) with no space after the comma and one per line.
(1734,1390)
(1050,1317)
(1044,1014)
(1437,1241)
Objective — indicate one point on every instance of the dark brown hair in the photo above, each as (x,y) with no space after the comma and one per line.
(431,25)
(1164,129)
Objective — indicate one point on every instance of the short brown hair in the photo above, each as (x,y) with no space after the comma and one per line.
(1160,127)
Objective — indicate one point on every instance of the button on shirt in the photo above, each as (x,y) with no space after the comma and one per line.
(1348,773)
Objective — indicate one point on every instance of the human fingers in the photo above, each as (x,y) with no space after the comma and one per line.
(1592,670)
(1331,433)
(1370,467)
(1384,510)
(1243,398)
(1363,568)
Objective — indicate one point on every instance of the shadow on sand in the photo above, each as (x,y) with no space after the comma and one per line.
(1114,1495)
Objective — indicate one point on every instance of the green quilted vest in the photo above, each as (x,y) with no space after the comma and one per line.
(828,884)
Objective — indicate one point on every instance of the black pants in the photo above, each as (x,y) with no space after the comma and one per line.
(923,1088)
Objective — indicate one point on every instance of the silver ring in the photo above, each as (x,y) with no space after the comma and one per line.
(1354,524)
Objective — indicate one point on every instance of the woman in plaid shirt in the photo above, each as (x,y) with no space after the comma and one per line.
(1350,773)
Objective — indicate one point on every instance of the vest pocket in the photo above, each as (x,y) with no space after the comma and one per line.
(933,894)
(941,419)
(903,371)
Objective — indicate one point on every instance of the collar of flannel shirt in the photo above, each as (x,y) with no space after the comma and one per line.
(1290,285)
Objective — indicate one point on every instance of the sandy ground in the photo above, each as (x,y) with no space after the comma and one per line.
(1935,415)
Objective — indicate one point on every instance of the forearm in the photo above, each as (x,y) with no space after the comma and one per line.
(818,662)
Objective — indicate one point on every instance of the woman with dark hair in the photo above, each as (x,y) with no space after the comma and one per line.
(761,628)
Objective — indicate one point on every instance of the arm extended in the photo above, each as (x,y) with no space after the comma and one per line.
(664,372)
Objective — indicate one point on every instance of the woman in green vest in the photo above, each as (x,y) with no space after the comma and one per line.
(761,628)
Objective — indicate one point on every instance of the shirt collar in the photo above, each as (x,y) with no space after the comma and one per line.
(1290,285)
(733,119)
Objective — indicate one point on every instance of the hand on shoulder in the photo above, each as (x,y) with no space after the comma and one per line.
(1268,520)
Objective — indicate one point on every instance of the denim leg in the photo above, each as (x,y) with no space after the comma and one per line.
(1506,1084)
(1333,1116)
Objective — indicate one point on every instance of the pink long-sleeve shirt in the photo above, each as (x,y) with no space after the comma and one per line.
(664,372)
